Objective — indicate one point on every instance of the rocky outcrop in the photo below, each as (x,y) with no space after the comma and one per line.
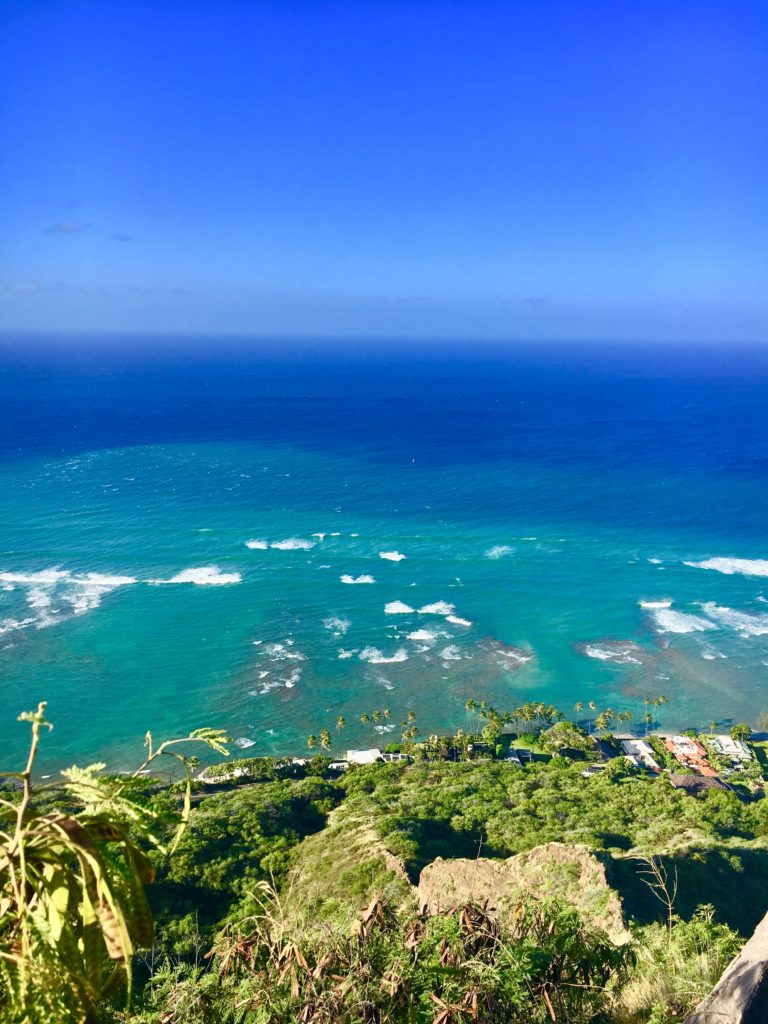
(569,872)
(741,995)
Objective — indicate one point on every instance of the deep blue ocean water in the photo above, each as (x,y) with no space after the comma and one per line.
(579,522)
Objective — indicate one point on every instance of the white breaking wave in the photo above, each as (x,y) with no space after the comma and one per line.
(381,729)
(424,636)
(46,577)
(57,594)
(669,621)
(338,624)
(457,621)
(357,579)
(9,625)
(205,576)
(257,545)
(450,653)
(39,597)
(266,687)
(438,608)
(375,657)
(344,655)
(244,742)
(91,588)
(731,566)
(397,608)
(650,605)
(293,678)
(499,551)
(745,623)
(618,653)
(292,544)
(392,556)
(281,652)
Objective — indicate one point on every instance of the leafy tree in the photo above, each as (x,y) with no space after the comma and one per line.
(740,731)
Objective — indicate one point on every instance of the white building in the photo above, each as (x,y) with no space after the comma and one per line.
(729,747)
(364,756)
(640,753)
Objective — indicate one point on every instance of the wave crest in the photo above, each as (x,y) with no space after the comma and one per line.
(392,556)
(733,566)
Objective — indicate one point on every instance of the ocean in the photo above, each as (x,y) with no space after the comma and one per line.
(265,536)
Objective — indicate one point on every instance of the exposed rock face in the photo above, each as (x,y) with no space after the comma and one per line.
(741,995)
(571,872)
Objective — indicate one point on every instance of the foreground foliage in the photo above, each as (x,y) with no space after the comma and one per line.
(456,966)
(286,897)
(72,902)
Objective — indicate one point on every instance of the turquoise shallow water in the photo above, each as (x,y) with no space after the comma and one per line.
(547,507)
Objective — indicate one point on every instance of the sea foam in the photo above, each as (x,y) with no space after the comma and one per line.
(424,636)
(45,577)
(204,576)
(745,623)
(392,556)
(375,656)
(669,621)
(56,594)
(438,608)
(731,566)
(450,653)
(257,545)
(457,620)
(397,608)
(357,579)
(617,652)
(337,624)
(292,544)
(499,551)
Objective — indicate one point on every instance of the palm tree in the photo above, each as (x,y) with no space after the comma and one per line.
(592,707)
(411,716)
(647,717)
(659,702)
(470,707)
(340,723)
(578,707)
(462,742)
(376,716)
(312,742)
(325,739)
(385,712)
(365,719)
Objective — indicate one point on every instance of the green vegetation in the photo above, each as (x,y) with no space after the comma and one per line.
(72,902)
(283,891)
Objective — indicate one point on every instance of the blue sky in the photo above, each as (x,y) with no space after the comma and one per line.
(491,170)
